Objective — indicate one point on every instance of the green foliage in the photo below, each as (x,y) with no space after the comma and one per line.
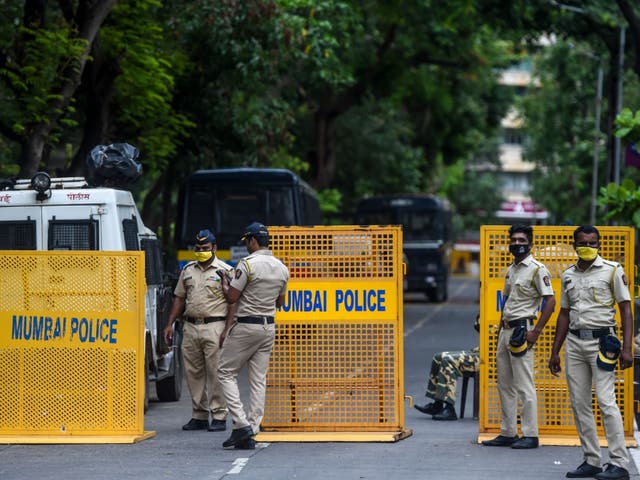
(34,75)
(628,125)
(623,201)
(559,117)
(145,88)
(330,201)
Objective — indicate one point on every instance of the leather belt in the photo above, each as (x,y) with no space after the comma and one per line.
(592,334)
(203,320)
(521,322)
(263,320)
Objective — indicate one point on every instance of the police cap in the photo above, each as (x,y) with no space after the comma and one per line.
(255,229)
(609,352)
(205,236)
(518,341)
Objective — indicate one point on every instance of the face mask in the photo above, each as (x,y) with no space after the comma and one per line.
(203,256)
(519,249)
(587,253)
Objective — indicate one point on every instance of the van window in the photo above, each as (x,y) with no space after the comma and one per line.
(73,235)
(152,261)
(130,230)
(18,235)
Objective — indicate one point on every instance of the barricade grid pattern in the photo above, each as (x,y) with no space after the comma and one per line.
(54,387)
(315,253)
(339,374)
(553,246)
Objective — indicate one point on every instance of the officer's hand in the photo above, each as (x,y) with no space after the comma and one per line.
(167,334)
(532,337)
(554,365)
(626,359)
(223,335)
(222,274)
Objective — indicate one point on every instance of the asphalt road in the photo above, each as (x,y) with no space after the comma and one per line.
(436,450)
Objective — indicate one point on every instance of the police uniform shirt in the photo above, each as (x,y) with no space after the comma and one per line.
(261,278)
(526,282)
(202,289)
(591,295)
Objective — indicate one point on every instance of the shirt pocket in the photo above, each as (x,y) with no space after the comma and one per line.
(600,292)
(524,289)
(572,293)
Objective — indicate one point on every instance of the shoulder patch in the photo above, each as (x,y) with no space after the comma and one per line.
(238,273)
(547,281)
(624,279)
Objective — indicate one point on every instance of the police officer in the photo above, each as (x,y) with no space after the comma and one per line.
(527,282)
(259,286)
(446,367)
(590,290)
(199,301)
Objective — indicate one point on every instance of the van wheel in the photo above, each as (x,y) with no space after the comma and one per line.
(169,389)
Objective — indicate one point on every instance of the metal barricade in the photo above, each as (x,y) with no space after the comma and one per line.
(553,246)
(72,347)
(336,371)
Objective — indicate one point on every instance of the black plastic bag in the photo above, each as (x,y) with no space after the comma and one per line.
(114,164)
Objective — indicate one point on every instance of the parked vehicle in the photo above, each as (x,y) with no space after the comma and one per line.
(66,213)
(426,229)
(227,200)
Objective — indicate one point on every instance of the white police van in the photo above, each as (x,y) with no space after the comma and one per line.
(67,214)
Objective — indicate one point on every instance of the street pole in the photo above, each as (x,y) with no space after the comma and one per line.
(596,146)
(617,150)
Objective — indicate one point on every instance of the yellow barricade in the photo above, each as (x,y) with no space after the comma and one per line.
(553,246)
(336,371)
(72,347)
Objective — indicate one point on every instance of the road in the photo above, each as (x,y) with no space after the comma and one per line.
(436,450)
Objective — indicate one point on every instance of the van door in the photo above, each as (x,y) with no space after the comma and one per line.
(74,227)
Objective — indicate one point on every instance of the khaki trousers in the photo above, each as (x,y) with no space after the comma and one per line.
(581,372)
(515,382)
(201,356)
(250,345)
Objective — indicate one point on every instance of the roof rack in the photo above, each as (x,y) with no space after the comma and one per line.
(56,183)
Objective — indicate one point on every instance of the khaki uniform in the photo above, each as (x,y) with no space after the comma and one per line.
(261,278)
(446,368)
(202,291)
(591,296)
(525,285)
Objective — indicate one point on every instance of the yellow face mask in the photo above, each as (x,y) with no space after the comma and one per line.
(203,256)
(587,253)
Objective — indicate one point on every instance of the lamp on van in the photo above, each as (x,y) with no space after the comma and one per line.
(41,182)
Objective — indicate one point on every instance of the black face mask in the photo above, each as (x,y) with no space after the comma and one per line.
(517,250)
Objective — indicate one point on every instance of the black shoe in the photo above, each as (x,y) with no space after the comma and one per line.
(249,444)
(448,413)
(613,472)
(238,436)
(195,424)
(525,442)
(500,441)
(430,408)
(217,425)
(585,470)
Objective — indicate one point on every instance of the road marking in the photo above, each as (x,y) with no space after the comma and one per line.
(436,310)
(238,465)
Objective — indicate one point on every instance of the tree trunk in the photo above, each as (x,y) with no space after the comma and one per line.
(89,19)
